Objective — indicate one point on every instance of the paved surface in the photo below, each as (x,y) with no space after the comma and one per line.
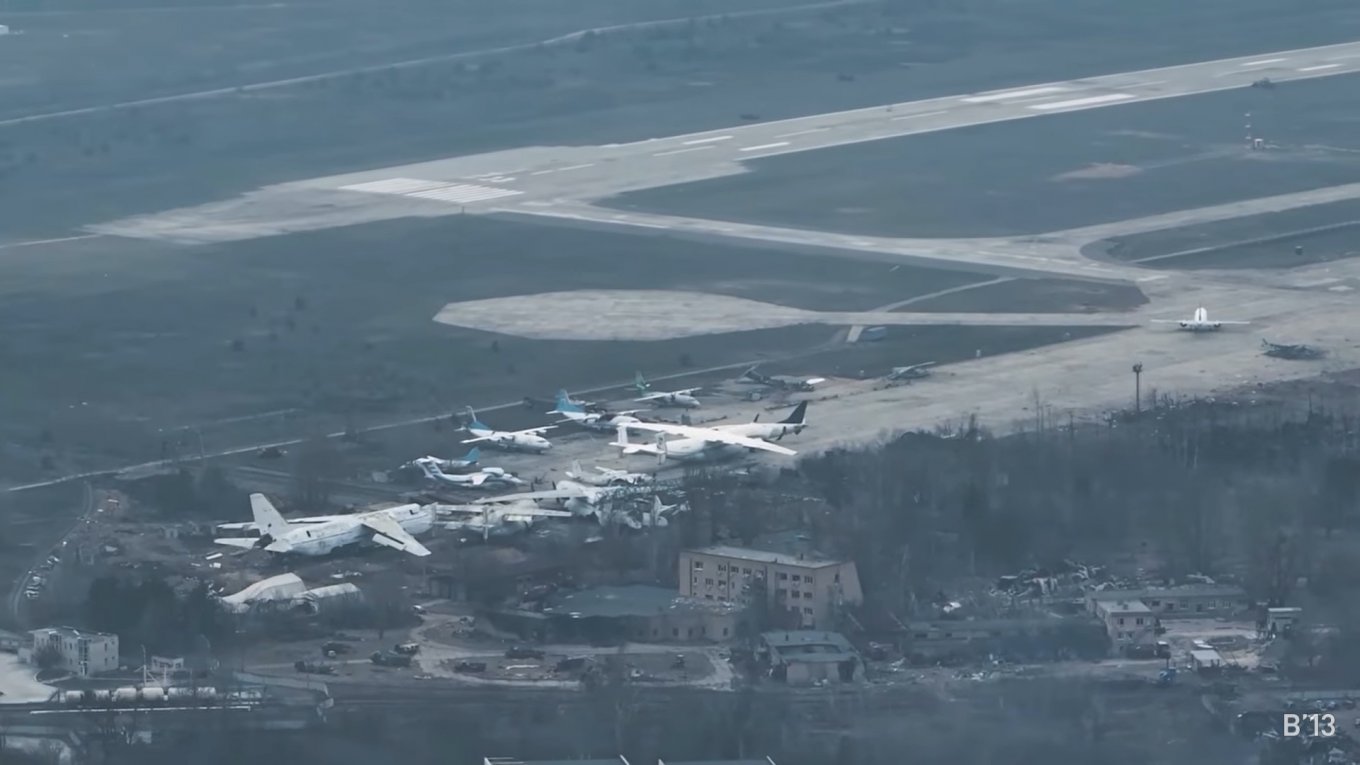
(1310,304)
(541,179)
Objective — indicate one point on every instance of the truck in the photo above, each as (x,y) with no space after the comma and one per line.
(390,659)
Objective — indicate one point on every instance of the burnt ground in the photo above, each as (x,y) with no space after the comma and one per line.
(1035,175)
(1326,233)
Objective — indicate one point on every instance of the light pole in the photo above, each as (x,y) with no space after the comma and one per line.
(1138,389)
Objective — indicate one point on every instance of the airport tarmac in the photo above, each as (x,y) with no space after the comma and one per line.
(540,179)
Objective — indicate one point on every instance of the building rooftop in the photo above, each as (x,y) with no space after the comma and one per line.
(1206,656)
(808,645)
(1186,590)
(629,600)
(1125,607)
(766,556)
(71,632)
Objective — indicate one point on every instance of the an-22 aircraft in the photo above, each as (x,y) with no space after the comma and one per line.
(527,440)
(1199,322)
(693,445)
(682,398)
(394,527)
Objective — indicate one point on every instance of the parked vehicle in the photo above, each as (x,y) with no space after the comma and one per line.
(469,667)
(523,652)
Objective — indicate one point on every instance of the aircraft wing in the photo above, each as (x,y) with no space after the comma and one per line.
(479,439)
(652,397)
(1167,321)
(477,479)
(389,533)
(529,431)
(531,495)
(253,526)
(709,434)
(813,381)
(1226,321)
(244,542)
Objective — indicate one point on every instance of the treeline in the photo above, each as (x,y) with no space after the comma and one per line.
(149,613)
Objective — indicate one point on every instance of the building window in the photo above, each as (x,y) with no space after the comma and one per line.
(709,583)
(807,610)
(1121,621)
(1138,621)
(807,595)
(708,597)
(838,577)
(722,566)
(698,565)
(783,576)
(746,571)
(797,578)
(781,593)
(724,632)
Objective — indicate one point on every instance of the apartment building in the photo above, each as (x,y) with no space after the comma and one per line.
(79,652)
(811,586)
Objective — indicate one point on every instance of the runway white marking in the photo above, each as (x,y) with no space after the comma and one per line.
(463,193)
(1151,278)
(542,172)
(713,139)
(683,151)
(1318,68)
(764,146)
(395,186)
(1108,98)
(1264,61)
(575,167)
(1002,96)
(802,132)
(33,242)
(919,116)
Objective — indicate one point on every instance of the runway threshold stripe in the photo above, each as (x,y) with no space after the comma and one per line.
(1088,101)
(919,116)
(764,146)
(682,151)
(809,131)
(1264,61)
(713,139)
(1002,96)
(1318,68)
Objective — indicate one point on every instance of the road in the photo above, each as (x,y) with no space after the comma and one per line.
(551,180)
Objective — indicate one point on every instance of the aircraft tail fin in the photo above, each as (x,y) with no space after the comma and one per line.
(473,422)
(798,416)
(266,516)
(564,404)
(640,383)
(576,467)
(474,454)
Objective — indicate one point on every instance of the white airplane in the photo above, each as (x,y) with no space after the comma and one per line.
(574,412)
(911,372)
(578,498)
(694,444)
(604,476)
(492,475)
(468,462)
(780,382)
(490,521)
(527,440)
(770,431)
(394,527)
(681,398)
(1199,322)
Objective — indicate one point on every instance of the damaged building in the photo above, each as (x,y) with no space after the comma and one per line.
(1018,639)
(809,657)
(1193,600)
(789,575)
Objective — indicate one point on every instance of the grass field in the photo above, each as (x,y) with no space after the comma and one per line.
(1027,177)
(616,88)
(1256,241)
(1036,296)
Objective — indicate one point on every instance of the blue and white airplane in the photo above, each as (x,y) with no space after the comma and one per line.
(527,440)
(602,421)
(467,463)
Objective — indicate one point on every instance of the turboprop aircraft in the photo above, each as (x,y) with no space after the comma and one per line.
(604,476)
(574,412)
(1199,322)
(681,398)
(491,475)
(693,445)
(468,462)
(393,527)
(527,440)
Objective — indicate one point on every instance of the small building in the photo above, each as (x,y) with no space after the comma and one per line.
(805,583)
(634,612)
(1281,621)
(1128,622)
(1187,601)
(1206,660)
(76,651)
(805,657)
(1024,639)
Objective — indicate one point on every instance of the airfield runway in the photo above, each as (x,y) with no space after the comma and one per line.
(1312,304)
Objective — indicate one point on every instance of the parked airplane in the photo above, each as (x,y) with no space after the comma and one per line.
(604,476)
(604,421)
(579,498)
(1199,322)
(911,372)
(487,475)
(393,527)
(681,398)
(490,521)
(771,431)
(694,444)
(782,382)
(527,440)
(1298,352)
(468,462)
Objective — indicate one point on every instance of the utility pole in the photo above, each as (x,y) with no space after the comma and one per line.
(1138,390)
